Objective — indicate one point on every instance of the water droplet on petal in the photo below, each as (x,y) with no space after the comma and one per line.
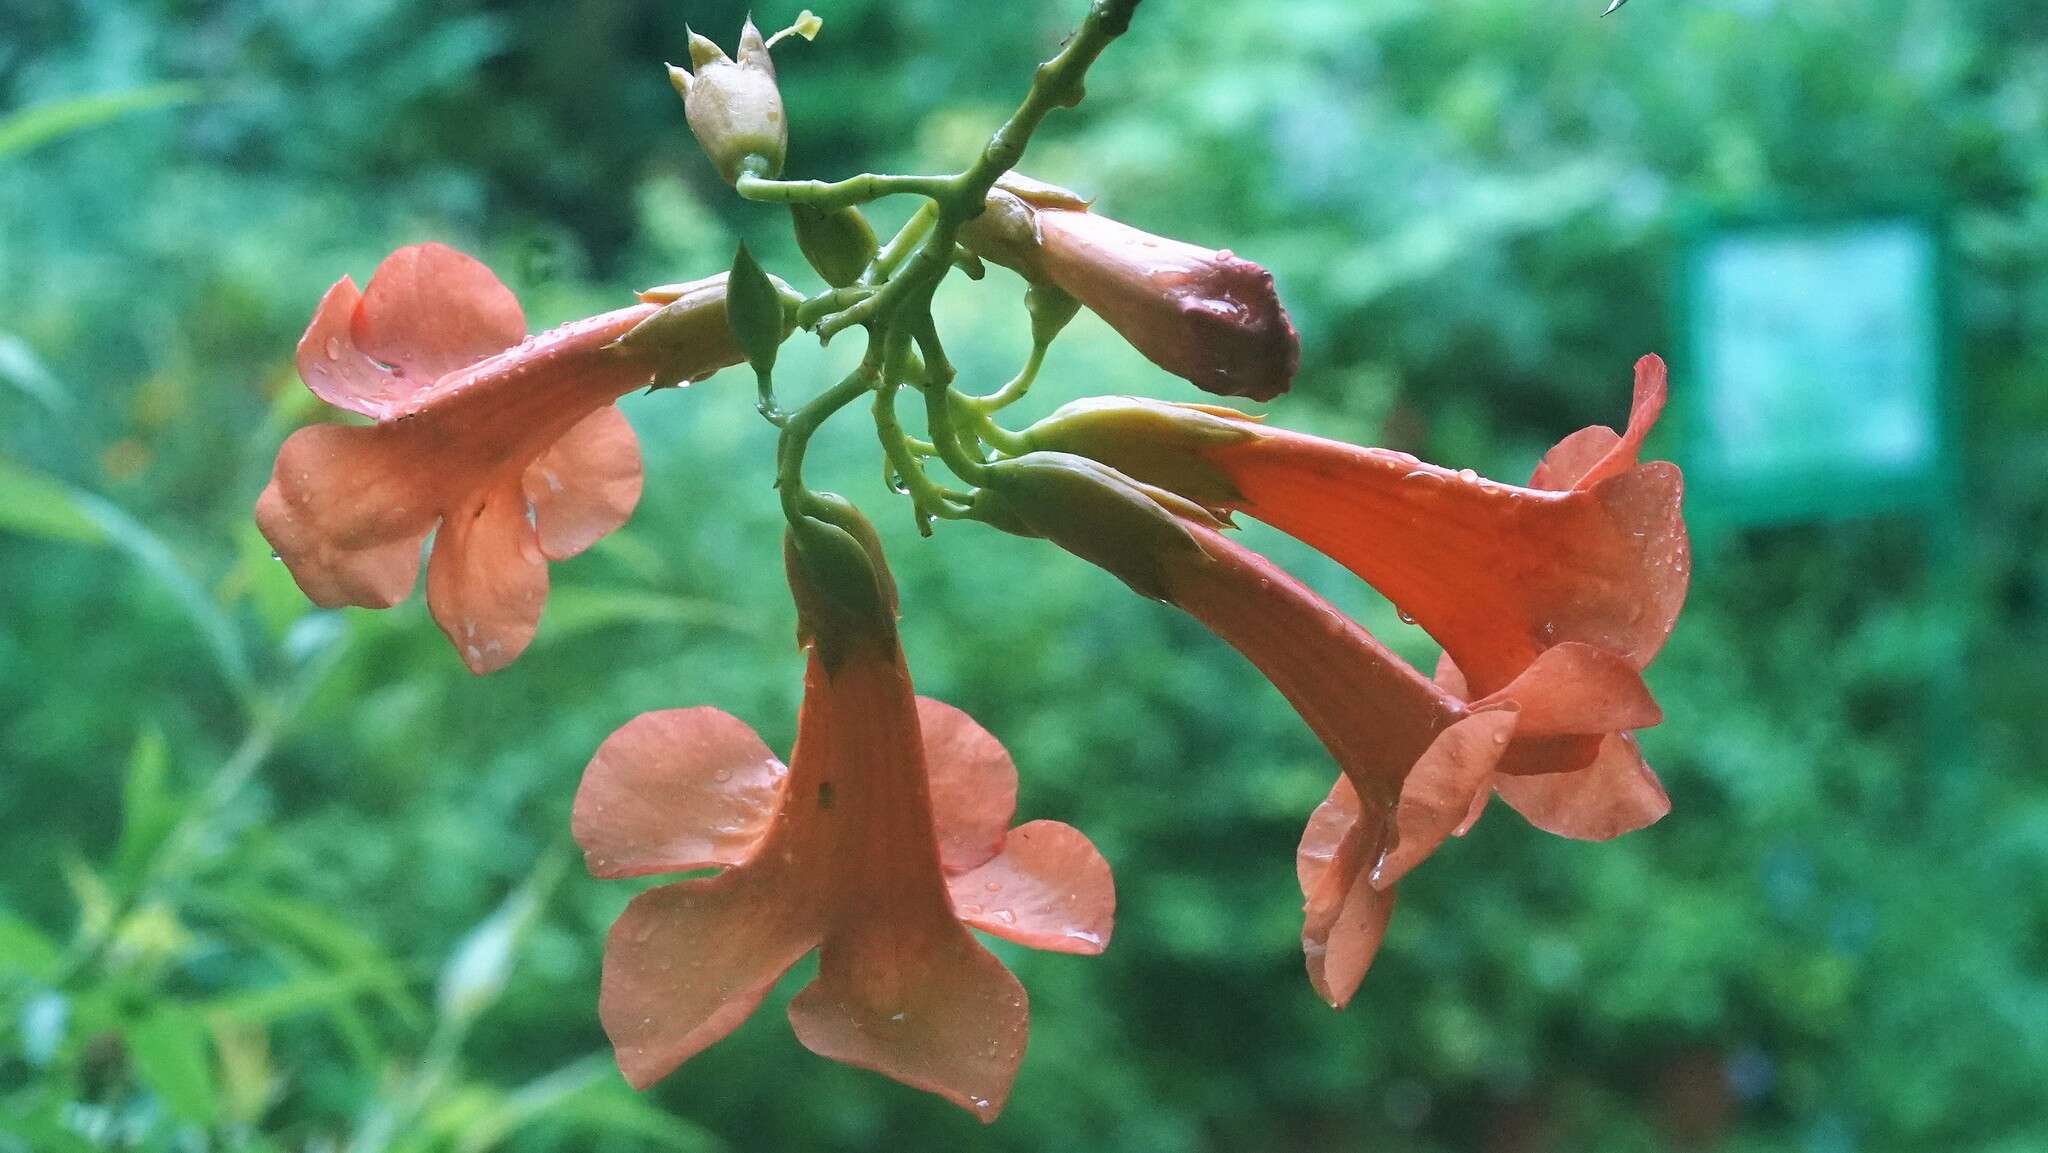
(333,348)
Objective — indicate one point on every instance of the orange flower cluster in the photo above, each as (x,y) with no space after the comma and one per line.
(886,837)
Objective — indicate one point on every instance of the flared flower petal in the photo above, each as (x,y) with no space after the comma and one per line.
(686,963)
(584,487)
(1209,317)
(1048,888)
(1343,922)
(676,790)
(511,445)
(973,785)
(861,849)
(917,999)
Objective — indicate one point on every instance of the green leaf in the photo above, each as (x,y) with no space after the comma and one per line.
(148,812)
(20,367)
(43,123)
(32,504)
(574,611)
(25,949)
(320,935)
(754,310)
(172,1052)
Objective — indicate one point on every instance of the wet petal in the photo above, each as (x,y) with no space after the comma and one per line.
(346,512)
(973,785)
(1573,457)
(1048,889)
(1438,794)
(1616,794)
(1345,918)
(686,963)
(1326,829)
(486,579)
(586,485)
(1573,689)
(915,998)
(1643,411)
(336,370)
(430,310)
(675,790)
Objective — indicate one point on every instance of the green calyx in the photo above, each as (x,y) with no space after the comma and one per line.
(1156,442)
(1137,532)
(837,242)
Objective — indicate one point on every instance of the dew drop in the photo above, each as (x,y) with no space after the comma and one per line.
(994,886)
(722,776)
(1006,916)
(1406,619)
(333,348)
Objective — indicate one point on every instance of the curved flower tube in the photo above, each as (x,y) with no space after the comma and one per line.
(1209,317)
(1382,722)
(510,444)
(882,842)
(1593,552)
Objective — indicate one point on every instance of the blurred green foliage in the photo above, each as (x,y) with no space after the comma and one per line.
(283,879)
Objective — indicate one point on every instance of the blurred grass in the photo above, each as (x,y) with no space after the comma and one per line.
(253,848)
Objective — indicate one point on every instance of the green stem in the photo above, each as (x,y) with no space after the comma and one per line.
(845,193)
(902,244)
(797,431)
(1014,391)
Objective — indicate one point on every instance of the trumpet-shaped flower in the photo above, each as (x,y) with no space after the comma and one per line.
(1206,316)
(510,444)
(1593,552)
(884,839)
(1382,722)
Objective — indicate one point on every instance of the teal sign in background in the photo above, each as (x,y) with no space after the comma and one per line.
(1817,386)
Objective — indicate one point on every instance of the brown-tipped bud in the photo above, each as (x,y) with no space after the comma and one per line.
(838,242)
(1205,316)
(733,105)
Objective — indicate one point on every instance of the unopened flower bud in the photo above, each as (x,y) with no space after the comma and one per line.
(1208,317)
(733,105)
(838,242)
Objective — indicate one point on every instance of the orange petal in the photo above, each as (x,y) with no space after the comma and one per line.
(1048,889)
(915,998)
(346,510)
(1345,918)
(686,963)
(585,485)
(1573,689)
(1327,827)
(1438,794)
(430,310)
(675,790)
(486,580)
(1616,794)
(1573,457)
(336,370)
(1643,410)
(973,785)
(1450,680)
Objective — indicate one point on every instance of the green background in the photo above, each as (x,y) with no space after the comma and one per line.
(279,879)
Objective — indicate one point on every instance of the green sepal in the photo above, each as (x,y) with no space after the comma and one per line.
(753,308)
(1135,532)
(838,242)
(1155,442)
